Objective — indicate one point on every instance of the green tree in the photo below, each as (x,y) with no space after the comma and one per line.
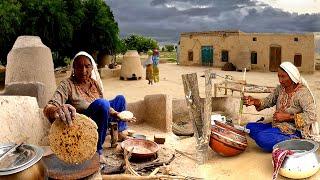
(10,23)
(50,20)
(99,31)
(65,26)
(169,47)
(140,43)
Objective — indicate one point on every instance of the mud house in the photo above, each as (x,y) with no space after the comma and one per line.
(256,51)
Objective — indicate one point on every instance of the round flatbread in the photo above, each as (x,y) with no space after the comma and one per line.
(125,115)
(74,144)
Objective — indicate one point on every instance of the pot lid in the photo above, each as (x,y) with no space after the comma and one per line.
(20,159)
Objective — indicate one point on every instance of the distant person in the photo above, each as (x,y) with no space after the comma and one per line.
(155,60)
(82,92)
(149,67)
(295,115)
(178,53)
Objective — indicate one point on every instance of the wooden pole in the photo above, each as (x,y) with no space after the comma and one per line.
(190,83)
(241,96)
(200,112)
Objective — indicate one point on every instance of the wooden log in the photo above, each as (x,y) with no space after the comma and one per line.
(215,87)
(190,83)
(206,119)
(199,112)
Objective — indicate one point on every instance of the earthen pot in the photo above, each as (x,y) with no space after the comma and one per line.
(229,127)
(226,140)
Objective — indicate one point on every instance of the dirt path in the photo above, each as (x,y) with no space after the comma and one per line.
(252,164)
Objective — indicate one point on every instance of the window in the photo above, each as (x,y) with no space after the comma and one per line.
(254,57)
(298,60)
(190,55)
(254,39)
(296,39)
(224,56)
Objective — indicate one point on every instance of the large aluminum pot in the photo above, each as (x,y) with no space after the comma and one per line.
(303,163)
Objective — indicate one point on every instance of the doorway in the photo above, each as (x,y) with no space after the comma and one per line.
(275,58)
(207,55)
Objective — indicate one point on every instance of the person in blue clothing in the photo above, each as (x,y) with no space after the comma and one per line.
(83,93)
(295,115)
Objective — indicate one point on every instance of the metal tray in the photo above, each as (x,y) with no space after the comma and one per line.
(22,159)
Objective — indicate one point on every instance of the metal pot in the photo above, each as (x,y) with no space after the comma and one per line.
(303,163)
(22,163)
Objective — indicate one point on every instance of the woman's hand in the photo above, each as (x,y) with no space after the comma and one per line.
(280,116)
(126,116)
(66,113)
(133,119)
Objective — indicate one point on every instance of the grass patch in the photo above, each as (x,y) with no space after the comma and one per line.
(171,55)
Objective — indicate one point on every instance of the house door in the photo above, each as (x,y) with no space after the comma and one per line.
(207,55)
(275,58)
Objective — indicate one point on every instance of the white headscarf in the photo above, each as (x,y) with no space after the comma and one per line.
(94,73)
(295,76)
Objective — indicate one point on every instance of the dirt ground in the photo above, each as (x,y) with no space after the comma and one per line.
(252,164)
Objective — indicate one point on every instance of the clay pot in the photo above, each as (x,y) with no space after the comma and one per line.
(226,140)
(229,127)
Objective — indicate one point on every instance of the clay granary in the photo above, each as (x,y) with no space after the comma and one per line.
(254,51)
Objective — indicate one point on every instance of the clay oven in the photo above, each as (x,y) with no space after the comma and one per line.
(31,61)
(131,68)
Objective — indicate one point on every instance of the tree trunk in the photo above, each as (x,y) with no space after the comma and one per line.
(200,112)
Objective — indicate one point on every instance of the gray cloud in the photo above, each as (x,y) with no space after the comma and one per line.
(164,20)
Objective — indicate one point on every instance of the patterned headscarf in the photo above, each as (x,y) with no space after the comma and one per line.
(295,76)
(94,74)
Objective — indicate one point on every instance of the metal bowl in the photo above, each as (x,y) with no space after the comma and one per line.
(140,148)
(303,163)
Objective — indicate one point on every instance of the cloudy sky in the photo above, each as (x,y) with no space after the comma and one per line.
(164,20)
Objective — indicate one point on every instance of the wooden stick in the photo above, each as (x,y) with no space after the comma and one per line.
(127,156)
(154,172)
(155,164)
(235,89)
(185,154)
(155,177)
(241,101)
(267,115)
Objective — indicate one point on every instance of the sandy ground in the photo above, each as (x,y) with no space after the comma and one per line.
(252,164)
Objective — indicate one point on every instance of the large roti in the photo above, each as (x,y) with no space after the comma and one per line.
(74,144)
